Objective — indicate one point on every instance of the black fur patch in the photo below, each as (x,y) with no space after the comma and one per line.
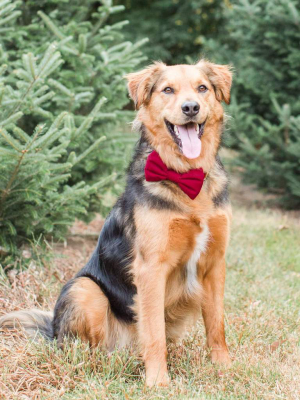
(109,267)
(222,197)
(63,313)
(45,327)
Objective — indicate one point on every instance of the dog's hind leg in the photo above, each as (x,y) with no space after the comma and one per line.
(83,311)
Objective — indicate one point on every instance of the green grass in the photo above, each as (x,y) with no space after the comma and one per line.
(262,301)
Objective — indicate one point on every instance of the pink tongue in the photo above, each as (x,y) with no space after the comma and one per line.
(191,144)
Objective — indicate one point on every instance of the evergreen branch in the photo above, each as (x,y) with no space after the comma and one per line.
(89,150)
(41,90)
(51,25)
(6,191)
(41,69)
(59,149)
(5,30)
(104,181)
(26,190)
(32,65)
(53,130)
(12,119)
(26,65)
(58,167)
(22,74)
(83,127)
(50,137)
(59,178)
(61,87)
(71,50)
(4,2)
(47,56)
(8,152)
(89,120)
(82,43)
(63,39)
(3,68)
(10,17)
(10,140)
(98,25)
(42,112)
(1,94)
(44,98)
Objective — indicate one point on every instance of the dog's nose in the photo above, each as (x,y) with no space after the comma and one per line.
(190,108)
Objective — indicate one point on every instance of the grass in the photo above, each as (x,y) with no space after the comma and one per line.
(262,324)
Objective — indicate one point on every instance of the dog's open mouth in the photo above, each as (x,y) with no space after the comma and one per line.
(187,137)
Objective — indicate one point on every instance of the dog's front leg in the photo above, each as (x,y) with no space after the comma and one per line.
(213,313)
(213,285)
(151,282)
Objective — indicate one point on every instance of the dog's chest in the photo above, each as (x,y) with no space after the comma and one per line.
(192,284)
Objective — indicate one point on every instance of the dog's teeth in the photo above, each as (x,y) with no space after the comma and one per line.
(197,128)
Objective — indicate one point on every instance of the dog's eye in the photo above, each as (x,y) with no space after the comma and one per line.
(168,90)
(202,88)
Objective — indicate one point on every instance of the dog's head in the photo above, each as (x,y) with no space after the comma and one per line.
(180,104)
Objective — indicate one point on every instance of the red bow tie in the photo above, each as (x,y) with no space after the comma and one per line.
(189,182)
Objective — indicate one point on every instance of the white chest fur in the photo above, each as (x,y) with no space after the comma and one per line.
(192,284)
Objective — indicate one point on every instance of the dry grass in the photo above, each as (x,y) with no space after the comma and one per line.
(262,323)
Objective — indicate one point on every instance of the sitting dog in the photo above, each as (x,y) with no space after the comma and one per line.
(160,258)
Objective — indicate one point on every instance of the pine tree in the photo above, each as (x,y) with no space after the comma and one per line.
(61,95)
(261,39)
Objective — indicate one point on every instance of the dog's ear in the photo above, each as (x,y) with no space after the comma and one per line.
(141,84)
(220,77)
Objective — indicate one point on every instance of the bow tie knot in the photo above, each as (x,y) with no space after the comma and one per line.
(173,176)
(189,182)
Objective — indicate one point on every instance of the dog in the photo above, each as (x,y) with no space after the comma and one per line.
(160,258)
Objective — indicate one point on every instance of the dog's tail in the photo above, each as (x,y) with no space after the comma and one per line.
(33,322)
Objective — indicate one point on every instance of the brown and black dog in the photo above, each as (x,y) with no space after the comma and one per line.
(160,258)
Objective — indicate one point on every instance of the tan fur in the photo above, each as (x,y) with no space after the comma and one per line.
(94,321)
(141,83)
(221,78)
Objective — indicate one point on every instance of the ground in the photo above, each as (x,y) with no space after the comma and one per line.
(262,303)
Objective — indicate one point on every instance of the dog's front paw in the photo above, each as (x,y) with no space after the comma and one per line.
(157,379)
(220,357)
